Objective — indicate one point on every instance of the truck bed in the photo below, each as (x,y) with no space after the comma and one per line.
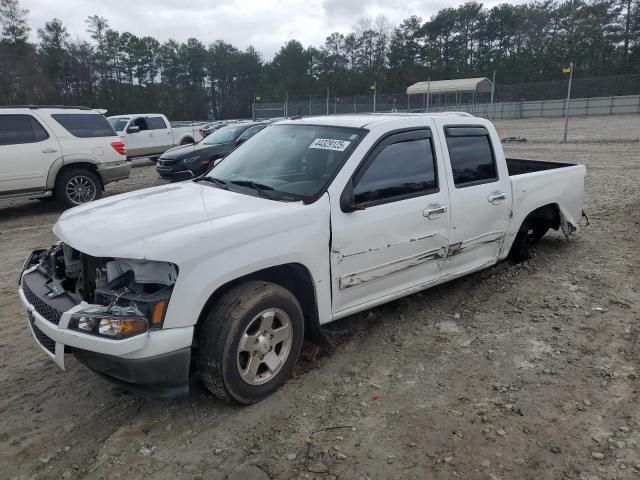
(520,166)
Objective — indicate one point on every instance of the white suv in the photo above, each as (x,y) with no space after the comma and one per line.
(66,152)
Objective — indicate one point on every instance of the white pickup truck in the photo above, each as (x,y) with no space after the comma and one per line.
(309,221)
(151,134)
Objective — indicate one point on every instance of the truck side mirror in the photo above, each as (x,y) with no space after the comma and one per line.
(133,129)
(347,199)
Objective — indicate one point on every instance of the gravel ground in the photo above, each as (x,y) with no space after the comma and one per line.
(520,371)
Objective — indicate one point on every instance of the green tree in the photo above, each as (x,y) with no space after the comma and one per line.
(54,57)
(13,20)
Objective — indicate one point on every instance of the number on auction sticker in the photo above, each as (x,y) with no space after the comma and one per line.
(330,144)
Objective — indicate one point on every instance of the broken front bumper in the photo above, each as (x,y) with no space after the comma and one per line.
(155,363)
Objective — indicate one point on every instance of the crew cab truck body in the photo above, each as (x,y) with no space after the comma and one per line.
(152,134)
(309,221)
(70,153)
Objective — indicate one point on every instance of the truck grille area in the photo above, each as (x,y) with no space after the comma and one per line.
(43,340)
(47,311)
(35,289)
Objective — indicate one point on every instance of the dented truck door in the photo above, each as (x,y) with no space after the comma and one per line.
(480,195)
(390,228)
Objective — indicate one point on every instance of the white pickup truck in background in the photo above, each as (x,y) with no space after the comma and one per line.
(151,134)
(309,221)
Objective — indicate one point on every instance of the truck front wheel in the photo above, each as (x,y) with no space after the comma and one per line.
(250,341)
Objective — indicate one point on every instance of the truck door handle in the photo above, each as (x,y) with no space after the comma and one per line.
(496,197)
(434,210)
(49,150)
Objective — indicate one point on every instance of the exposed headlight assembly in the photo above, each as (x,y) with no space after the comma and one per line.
(131,300)
(113,322)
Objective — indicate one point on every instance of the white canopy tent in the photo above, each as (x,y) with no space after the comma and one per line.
(467,85)
(446,94)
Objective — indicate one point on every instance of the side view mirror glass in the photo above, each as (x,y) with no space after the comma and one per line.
(133,129)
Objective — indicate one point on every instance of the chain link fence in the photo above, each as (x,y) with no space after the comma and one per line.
(604,95)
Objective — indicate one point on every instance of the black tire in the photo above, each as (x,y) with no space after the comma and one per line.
(187,141)
(529,234)
(224,326)
(63,188)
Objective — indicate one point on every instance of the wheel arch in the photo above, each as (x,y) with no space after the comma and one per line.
(59,167)
(296,278)
(550,214)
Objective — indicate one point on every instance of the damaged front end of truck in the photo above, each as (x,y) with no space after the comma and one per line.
(103,310)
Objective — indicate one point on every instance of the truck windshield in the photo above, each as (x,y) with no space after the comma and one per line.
(118,124)
(224,135)
(294,162)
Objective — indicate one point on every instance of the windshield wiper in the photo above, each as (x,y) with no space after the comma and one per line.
(261,188)
(214,180)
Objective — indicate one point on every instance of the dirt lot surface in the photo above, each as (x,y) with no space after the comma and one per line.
(521,371)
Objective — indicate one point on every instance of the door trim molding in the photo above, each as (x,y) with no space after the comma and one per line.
(379,271)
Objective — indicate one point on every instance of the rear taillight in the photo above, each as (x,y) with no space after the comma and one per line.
(119,147)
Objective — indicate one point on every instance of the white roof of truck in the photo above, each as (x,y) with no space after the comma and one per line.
(366,119)
(128,115)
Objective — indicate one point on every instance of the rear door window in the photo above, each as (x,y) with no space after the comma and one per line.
(85,125)
(18,129)
(403,166)
(471,156)
(156,123)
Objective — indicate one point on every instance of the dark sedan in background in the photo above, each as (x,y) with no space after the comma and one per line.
(188,161)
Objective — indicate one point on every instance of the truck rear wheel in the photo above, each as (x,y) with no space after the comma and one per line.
(76,186)
(250,341)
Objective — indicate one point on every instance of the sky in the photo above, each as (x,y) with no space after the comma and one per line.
(265,24)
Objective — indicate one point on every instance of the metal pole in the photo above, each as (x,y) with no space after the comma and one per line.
(428,93)
(335,104)
(286,103)
(566,109)
(327,100)
(309,105)
(493,91)
(375,92)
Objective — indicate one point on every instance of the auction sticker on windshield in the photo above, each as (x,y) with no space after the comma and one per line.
(330,144)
